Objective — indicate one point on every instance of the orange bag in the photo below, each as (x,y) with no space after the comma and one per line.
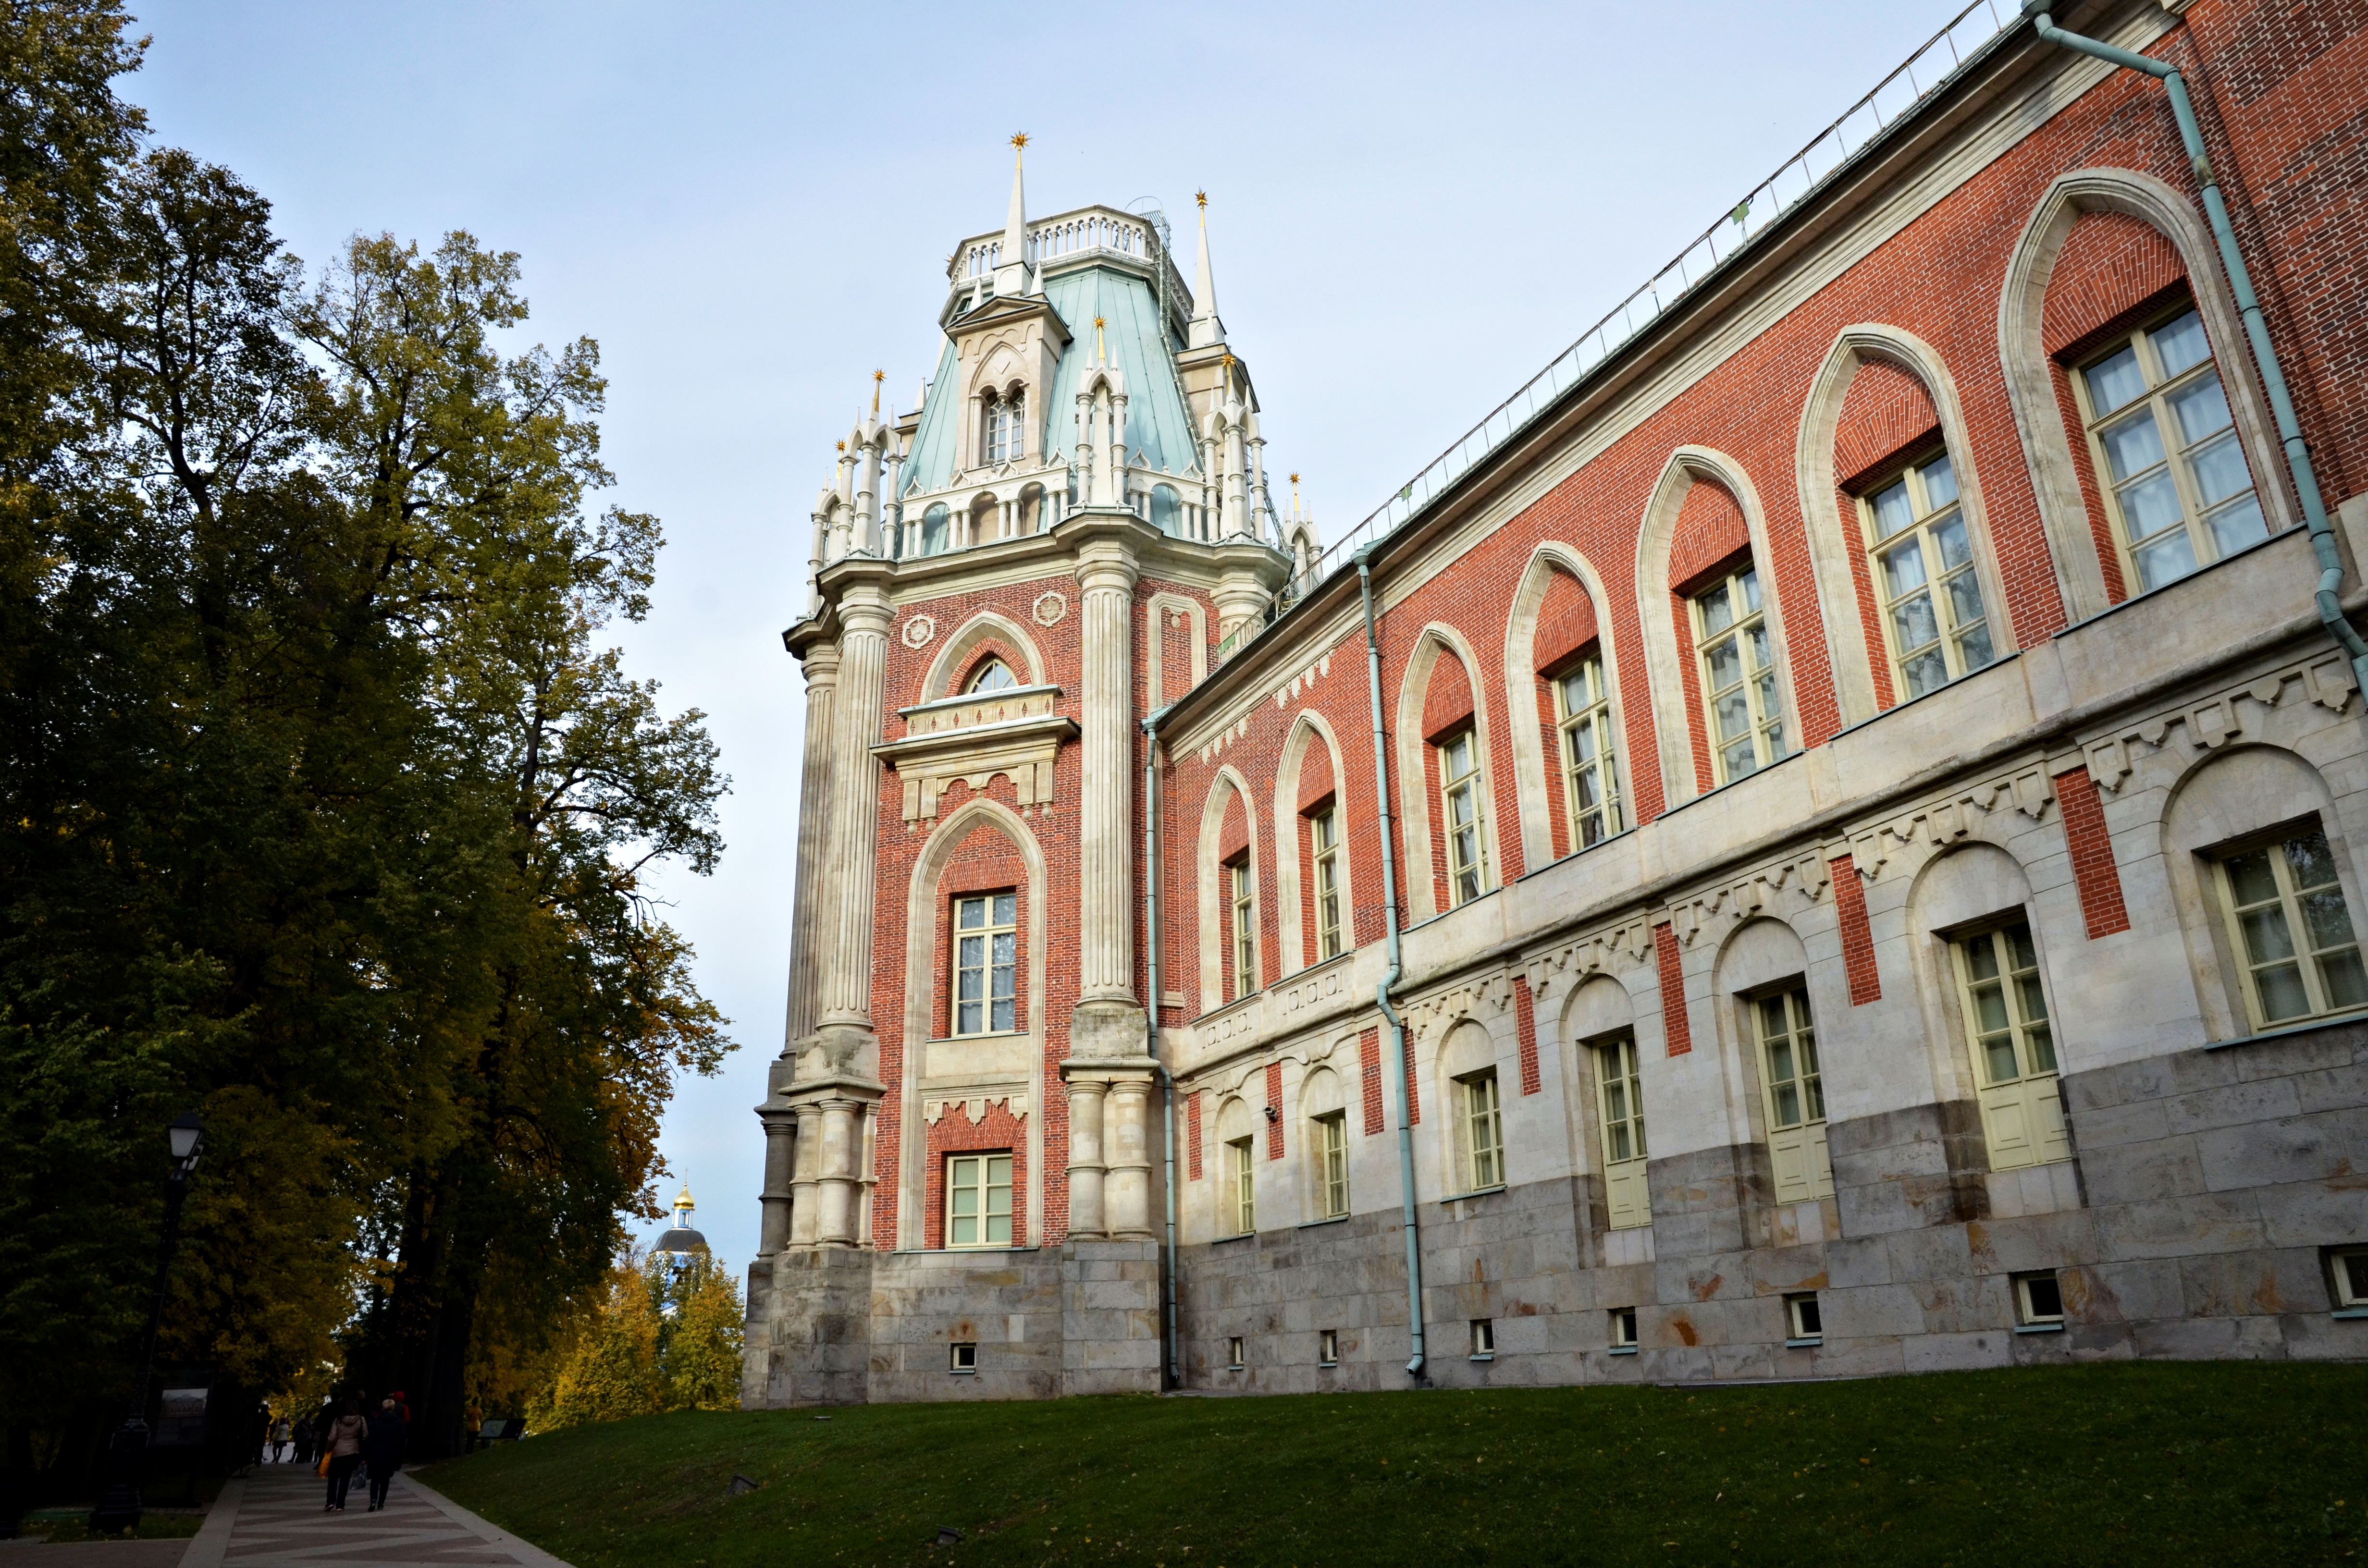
(323,1467)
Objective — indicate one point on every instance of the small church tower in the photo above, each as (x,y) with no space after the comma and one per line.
(965,1122)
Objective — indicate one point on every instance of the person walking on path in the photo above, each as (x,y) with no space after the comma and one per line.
(280,1433)
(383,1451)
(303,1440)
(344,1441)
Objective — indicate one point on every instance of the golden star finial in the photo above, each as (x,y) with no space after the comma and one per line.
(877,377)
(1202,197)
(1019,139)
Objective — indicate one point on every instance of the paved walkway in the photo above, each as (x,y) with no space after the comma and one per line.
(273,1519)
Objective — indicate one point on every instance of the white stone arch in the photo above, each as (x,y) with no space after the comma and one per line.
(1975,883)
(1234,1121)
(1835,537)
(1213,907)
(2030,381)
(1416,799)
(953,660)
(921,981)
(1533,793)
(1309,728)
(2220,799)
(1468,1047)
(1669,648)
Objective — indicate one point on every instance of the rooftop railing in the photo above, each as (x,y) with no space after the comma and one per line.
(1928,68)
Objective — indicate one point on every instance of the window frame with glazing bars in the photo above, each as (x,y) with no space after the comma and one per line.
(2161,391)
(1759,687)
(2005,1010)
(1323,838)
(1481,1110)
(1619,1120)
(1805,1079)
(1330,1147)
(1241,924)
(2310,965)
(1902,523)
(1241,1175)
(1467,863)
(1587,723)
(999,961)
(983,1216)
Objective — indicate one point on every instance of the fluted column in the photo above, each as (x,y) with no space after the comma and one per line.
(1126,1192)
(1086,1219)
(850,861)
(1105,866)
(810,920)
(867,495)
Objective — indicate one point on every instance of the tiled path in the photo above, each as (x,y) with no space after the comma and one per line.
(274,1519)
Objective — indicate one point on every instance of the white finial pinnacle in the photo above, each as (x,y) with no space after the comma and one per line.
(1012,272)
(1207,330)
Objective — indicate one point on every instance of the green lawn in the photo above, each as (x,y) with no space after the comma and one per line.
(2161,1463)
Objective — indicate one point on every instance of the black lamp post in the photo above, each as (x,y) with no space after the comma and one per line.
(118,1507)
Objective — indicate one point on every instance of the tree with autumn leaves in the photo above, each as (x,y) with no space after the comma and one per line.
(330,802)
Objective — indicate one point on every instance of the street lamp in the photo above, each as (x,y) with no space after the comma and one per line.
(118,1507)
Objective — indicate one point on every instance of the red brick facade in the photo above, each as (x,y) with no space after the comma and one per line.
(1857,938)
(2093,870)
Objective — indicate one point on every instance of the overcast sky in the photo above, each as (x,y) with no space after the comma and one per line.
(1412,209)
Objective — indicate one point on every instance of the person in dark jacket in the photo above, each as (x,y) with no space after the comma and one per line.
(304,1440)
(382,1449)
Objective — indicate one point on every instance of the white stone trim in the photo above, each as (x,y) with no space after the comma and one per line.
(2029,379)
(1532,780)
(1669,648)
(1837,541)
(1291,930)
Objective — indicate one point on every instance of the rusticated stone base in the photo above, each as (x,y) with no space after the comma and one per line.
(843,1326)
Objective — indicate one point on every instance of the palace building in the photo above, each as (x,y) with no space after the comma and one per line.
(1827,836)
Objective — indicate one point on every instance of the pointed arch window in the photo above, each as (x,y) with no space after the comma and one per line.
(1738,676)
(1583,712)
(1933,620)
(2165,446)
(994,676)
(1006,423)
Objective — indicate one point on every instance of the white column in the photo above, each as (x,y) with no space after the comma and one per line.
(810,919)
(1085,1221)
(805,1175)
(814,562)
(840,1180)
(850,860)
(1118,448)
(1105,850)
(780,1145)
(1127,1187)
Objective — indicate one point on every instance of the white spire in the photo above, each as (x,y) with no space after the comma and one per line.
(1207,330)
(1012,273)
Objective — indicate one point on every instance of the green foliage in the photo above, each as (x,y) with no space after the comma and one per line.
(659,1340)
(327,802)
(2159,1461)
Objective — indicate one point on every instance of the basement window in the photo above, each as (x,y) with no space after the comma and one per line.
(2038,1303)
(1327,1347)
(1623,1331)
(1234,1353)
(1804,1324)
(962,1356)
(1484,1339)
(2347,1269)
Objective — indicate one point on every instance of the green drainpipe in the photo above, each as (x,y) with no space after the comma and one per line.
(1382,992)
(2265,353)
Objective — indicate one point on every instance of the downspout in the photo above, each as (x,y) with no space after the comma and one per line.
(2265,353)
(1382,992)
(1151,1021)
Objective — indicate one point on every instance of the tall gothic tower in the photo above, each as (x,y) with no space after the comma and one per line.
(964,1129)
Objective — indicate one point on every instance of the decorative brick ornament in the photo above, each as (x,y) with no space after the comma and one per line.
(919,630)
(1052,607)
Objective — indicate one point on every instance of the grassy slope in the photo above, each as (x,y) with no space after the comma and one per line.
(2225,1462)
